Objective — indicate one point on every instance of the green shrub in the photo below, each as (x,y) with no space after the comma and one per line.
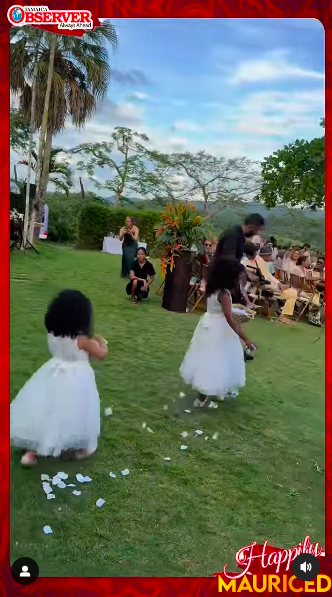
(97,221)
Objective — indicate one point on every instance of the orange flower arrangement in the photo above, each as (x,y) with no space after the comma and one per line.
(180,228)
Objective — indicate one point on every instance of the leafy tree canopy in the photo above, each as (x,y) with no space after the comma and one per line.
(295,175)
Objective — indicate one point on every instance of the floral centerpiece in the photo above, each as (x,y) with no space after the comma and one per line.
(179,233)
(181,228)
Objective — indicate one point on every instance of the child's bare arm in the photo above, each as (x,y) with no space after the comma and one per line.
(96,347)
(226,304)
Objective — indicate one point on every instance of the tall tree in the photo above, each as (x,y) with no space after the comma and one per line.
(60,173)
(19,131)
(123,157)
(80,78)
(206,178)
(295,175)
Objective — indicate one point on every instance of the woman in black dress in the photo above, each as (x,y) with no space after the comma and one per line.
(142,275)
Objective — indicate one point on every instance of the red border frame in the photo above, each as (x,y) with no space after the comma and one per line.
(319,9)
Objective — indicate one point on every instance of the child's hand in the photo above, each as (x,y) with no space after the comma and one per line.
(252,345)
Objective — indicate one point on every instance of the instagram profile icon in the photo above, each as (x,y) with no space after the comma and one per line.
(16,15)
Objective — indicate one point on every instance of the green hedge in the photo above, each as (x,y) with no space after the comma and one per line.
(97,221)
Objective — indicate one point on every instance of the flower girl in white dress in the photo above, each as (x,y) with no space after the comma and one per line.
(214,363)
(58,409)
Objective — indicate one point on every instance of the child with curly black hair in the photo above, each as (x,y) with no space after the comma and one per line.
(58,409)
(214,363)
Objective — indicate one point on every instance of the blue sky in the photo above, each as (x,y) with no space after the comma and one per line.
(234,87)
(230,86)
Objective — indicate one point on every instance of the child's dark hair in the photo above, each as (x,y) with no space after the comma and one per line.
(224,275)
(69,314)
(250,250)
(141,249)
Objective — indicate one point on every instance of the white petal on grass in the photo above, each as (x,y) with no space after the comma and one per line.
(46,487)
(183,447)
(165,407)
(187,411)
(206,437)
(215,435)
(71,485)
(50,496)
(143,425)
(62,476)
(100,502)
(182,395)
(62,485)
(199,432)
(125,472)
(149,430)
(56,480)
(44,477)
(184,434)
(47,530)
(108,411)
(81,479)
(76,492)
(87,479)
(113,475)
(167,458)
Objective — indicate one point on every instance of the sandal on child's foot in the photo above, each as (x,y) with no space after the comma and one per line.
(28,459)
(200,403)
(212,405)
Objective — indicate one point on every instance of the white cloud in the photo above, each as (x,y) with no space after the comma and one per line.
(273,67)
(138,96)
(186,126)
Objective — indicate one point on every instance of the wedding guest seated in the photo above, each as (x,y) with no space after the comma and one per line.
(281,291)
(142,275)
(280,256)
(290,259)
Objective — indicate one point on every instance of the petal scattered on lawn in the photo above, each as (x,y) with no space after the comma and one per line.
(125,472)
(167,458)
(62,476)
(71,485)
(143,425)
(100,502)
(113,475)
(182,395)
(184,434)
(187,411)
(46,487)
(62,485)
(47,530)
(215,435)
(80,478)
(108,411)
(50,496)
(206,437)
(165,407)
(183,447)
(76,492)
(44,477)
(87,479)
(55,480)
(149,430)
(199,432)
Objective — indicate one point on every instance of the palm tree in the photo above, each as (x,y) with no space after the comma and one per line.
(60,173)
(80,78)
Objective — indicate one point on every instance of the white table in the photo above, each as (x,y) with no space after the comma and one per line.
(114,245)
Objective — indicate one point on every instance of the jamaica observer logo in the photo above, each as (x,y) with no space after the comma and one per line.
(41,15)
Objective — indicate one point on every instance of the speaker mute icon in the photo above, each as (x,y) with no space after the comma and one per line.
(306,566)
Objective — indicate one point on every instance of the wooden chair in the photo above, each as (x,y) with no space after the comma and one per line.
(306,290)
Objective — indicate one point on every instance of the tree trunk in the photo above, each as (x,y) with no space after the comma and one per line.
(43,131)
(46,170)
(117,197)
(177,284)
(82,189)
(32,130)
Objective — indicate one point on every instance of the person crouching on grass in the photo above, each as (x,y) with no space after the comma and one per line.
(142,275)
(214,363)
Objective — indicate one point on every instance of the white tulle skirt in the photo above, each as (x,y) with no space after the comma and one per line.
(214,363)
(58,409)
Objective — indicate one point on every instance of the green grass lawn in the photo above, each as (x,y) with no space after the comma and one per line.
(189,516)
